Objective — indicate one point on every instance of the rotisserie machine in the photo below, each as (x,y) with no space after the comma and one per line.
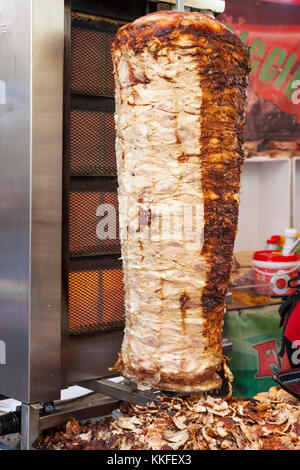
(61,292)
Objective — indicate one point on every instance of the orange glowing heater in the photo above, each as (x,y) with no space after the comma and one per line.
(94,273)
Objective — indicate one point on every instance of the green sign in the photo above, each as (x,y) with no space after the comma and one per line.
(256,339)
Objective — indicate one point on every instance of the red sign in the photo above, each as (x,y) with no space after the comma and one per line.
(293,2)
(268,359)
(272,31)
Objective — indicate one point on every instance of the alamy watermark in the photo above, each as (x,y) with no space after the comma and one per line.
(174,221)
(295,358)
(296,94)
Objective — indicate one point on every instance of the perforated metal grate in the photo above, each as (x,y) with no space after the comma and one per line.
(94,273)
(96,295)
(93,217)
(92,69)
(92,137)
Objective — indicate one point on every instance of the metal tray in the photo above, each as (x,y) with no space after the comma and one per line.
(289,380)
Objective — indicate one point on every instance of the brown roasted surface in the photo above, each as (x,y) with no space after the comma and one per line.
(173,28)
(180,98)
(272,421)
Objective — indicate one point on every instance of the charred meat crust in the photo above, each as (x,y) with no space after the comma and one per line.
(167,27)
(221,212)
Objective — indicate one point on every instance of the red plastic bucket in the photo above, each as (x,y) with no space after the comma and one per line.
(272,271)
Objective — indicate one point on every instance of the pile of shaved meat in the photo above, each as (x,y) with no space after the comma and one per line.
(269,421)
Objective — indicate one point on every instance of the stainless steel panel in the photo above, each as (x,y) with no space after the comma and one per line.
(65,195)
(30,420)
(31,58)
(15,170)
(47,130)
(90,357)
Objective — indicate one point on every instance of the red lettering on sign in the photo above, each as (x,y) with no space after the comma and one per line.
(285,362)
(267,356)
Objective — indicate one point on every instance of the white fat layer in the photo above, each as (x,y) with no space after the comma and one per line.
(157,123)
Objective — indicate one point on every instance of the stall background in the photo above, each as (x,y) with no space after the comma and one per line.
(271,30)
(256,337)
(270,186)
(270,191)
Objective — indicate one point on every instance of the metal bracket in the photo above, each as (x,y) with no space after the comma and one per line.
(34,420)
(127,392)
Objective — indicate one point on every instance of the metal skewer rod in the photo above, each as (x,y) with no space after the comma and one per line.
(180,5)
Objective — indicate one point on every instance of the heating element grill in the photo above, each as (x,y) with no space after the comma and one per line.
(95,295)
(92,69)
(93,217)
(92,137)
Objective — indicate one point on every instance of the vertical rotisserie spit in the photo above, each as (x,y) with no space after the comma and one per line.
(180,99)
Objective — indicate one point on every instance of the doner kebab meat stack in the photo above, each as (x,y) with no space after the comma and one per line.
(180,100)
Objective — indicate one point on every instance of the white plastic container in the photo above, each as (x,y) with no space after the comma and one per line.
(272,271)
